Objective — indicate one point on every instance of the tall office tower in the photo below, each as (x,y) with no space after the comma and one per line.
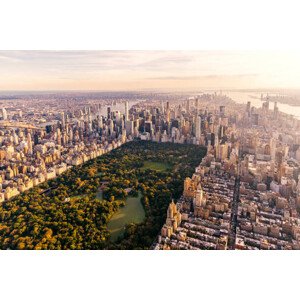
(197,103)
(29,143)
(108,112)
(71,135)
(126,111)
(275,110)
(62,118)
(168,115)
(198,127)
(89,116)
(178,111)
(90,125)
(248,108)
(136,124)
(188,105)
(272,148)
(64,139)
(267,103)
(118,118)
(216,140)
(168,105)
(111,127)
(4,114)
(129,127)
(100,122)
(80,133)
(58,136)
(222,110)
(162,107)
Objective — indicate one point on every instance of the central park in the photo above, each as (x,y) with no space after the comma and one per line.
(116,201)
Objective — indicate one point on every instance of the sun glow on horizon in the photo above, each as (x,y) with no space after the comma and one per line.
(139,70)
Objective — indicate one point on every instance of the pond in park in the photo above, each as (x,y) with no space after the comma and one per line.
(132,212)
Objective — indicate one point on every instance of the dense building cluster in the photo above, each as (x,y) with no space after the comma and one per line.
(245,194)
(42,136)
(44,139)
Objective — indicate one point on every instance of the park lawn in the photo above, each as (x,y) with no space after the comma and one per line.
(156,166)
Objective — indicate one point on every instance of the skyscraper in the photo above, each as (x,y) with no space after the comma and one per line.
(275,110)
(222,110)
(4,114)
(188,105)
(29,143)
(126,111)
(58,132)
(198,127)
(63,121)
(108,112)
(129,127)
(248,109)
(168,105)
(197,103)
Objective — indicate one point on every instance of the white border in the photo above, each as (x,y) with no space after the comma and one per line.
(147,25)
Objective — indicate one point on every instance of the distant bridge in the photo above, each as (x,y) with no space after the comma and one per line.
(8,124)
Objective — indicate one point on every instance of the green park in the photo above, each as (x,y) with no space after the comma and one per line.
(116,201)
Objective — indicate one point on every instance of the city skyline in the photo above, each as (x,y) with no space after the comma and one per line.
(148,70)
(193,170)
(148,171)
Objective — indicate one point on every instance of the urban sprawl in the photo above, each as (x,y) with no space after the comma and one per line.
(245,194)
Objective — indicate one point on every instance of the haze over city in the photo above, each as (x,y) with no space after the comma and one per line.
(146,70)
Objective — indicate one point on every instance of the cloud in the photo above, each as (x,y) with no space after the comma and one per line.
(100,60)
(72,68)
(211,76)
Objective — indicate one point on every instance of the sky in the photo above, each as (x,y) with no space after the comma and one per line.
(148,70)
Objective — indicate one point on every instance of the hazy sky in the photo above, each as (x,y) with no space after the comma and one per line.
(138,70)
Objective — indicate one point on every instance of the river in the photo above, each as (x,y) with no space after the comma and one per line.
(254,98)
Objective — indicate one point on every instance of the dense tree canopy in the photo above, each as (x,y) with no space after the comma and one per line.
(65,213)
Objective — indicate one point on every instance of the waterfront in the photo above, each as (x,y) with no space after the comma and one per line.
(254,98)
